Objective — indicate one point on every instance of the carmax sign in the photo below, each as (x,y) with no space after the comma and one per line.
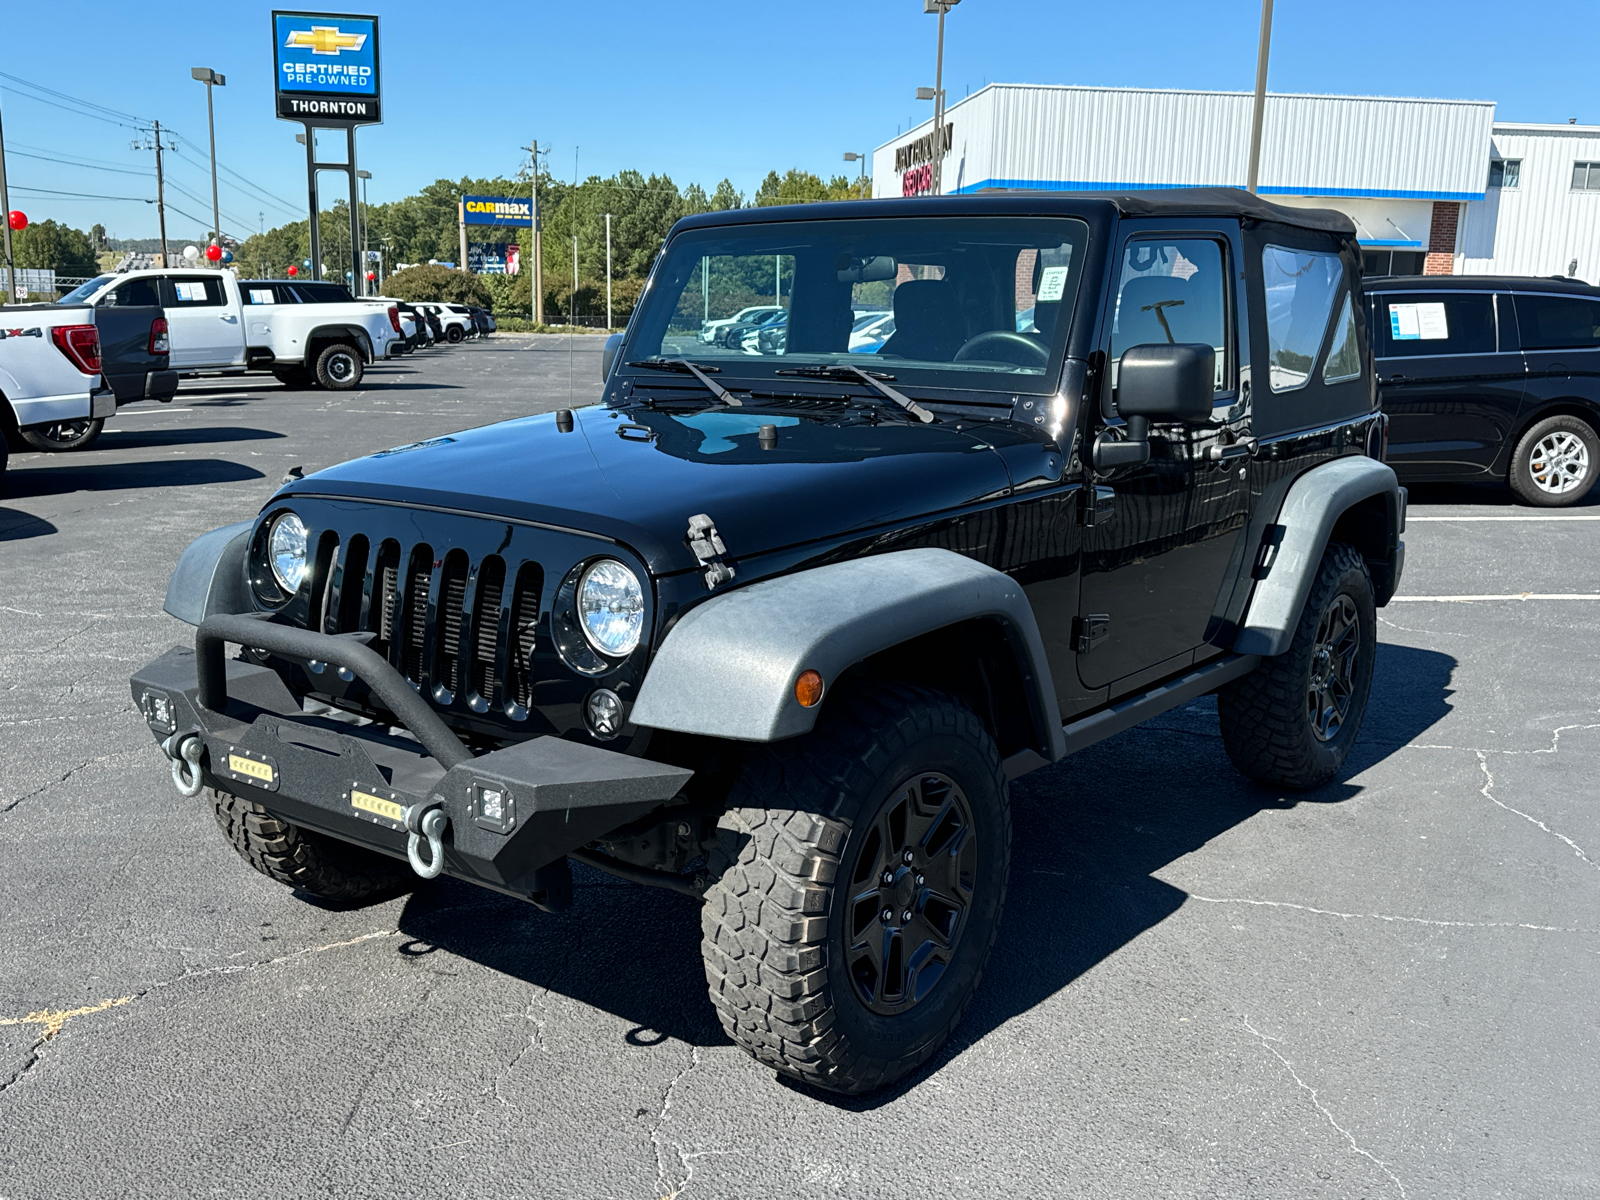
(327,67)
(496,210)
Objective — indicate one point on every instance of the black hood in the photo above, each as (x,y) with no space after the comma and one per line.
(639,475)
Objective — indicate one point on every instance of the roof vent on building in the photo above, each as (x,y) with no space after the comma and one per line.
(1572,120)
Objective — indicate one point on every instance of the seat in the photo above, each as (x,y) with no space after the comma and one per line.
(1152,309)
(928,324)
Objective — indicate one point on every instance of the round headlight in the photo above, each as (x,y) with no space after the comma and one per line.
(286,551)
(611,608)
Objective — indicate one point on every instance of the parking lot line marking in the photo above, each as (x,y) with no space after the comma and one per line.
(1474,599)
(1410,519)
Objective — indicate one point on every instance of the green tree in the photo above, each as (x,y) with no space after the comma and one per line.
(795,187)
(49,245)
(440,284)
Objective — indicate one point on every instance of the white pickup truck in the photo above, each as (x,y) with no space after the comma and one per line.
(49,369)
(217,325)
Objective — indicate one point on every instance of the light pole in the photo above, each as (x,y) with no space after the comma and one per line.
(942,7)
(1259,111)
(5,225)
(852,156)
(364,176)
(608,270)
(211,79)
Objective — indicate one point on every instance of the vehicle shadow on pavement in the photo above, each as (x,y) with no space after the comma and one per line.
(100,476)
(138,439)
(16,526)
(1495,495)
(1089,836)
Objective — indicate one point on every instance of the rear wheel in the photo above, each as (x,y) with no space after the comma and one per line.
(339,368)
(60,436)
(454,334)
(305,859)
(1292,721)
(860,876)
(1554,464)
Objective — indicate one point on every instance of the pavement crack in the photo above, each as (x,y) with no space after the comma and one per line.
(1487,791)
(1267,1041)
(1351,916)
(52,1022)
(48,784)
(686,1158)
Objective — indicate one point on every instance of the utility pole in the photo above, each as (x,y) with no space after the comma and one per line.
(608,270)
(161,195)
(361,271)
(1259,112)
(211,79)
(572,305)
(535,239)
(5,224)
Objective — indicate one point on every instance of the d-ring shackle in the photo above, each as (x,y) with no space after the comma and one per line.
(426,820)
(185,758)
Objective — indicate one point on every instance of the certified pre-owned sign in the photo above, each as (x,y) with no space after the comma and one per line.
(327,68)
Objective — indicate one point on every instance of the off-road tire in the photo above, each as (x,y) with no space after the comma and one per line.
(1266,723)
(774,917)
(340,367)
(62,436)
(293,377)
(305,859)
(1525,480)
(454,334)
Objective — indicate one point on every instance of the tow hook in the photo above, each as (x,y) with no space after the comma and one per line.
(427,820)
(185,756)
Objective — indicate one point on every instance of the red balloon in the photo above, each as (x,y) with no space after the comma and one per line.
(214,253)
(371,275)
(293,270)
(18,219)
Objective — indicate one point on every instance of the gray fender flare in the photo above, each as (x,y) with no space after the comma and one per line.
(1311,509)
(210,576)
(729,666)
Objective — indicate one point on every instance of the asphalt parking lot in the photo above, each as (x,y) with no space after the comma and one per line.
(1385,988)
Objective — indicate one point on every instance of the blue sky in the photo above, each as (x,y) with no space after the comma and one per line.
(701,90)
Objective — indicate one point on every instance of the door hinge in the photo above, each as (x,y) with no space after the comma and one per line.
(1098,506)
(706,545)
(1089,631)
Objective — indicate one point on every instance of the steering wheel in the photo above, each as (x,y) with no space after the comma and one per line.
(1002,337)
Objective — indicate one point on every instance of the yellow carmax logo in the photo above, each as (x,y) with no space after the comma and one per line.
(325,39)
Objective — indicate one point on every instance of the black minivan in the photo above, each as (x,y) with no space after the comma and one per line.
(1490,377)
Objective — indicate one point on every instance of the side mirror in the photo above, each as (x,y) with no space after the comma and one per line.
(1170,384)
(609,355)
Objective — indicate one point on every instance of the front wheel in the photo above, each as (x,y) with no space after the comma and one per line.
(60,436)
(860,873)
(305,859)
(339,368)
(1554,463)
(1292,721)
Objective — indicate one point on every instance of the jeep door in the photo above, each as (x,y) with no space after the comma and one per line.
(1450,378)
(1157,566)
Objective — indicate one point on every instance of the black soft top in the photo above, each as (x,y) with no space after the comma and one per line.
(1166,202)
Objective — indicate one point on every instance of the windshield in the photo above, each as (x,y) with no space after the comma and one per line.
(949,290)
(84,290)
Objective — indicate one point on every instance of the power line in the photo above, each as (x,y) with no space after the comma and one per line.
(72,99)
(77,112)
(76,158)
(80,195)
(83,166)
(221,166)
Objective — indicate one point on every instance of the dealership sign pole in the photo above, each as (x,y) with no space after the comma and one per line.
(327,77)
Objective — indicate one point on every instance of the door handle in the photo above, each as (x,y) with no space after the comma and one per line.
(1243,448)
(1392,379)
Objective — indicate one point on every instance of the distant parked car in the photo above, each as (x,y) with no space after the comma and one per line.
(483,319)
(743,335)
(869,336)
(714,333)
(1489,378)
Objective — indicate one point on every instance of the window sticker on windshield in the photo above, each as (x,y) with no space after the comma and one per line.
(259,295)
(1052,283)
(193,293)
(1418,322)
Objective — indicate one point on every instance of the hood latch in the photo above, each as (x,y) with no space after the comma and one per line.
(706,544)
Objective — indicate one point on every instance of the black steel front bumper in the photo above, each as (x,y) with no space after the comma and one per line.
(509,813)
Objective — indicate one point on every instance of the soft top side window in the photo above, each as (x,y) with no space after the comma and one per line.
(1300,286)
(1173,290)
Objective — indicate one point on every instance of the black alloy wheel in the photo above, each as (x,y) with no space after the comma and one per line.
(910,892)
(60,436)
(1332,684)
(454,334)
(339,368)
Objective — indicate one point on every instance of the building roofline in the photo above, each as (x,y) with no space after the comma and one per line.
(1539,127)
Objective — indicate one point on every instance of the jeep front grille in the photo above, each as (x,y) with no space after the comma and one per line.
(449,625)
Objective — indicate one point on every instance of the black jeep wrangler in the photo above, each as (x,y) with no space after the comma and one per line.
(774,630)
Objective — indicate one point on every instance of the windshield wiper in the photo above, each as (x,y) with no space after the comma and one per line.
(684,365)
(876,381)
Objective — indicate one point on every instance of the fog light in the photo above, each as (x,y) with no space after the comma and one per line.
(603,713)
(493,807)
(157,711)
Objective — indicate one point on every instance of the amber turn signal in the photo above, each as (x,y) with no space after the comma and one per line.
(808,689)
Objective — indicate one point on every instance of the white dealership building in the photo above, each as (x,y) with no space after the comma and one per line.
(1435,186)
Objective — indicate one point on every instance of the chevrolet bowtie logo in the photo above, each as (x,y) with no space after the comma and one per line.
(325,39)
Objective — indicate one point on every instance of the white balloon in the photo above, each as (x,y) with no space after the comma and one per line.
(191,253)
